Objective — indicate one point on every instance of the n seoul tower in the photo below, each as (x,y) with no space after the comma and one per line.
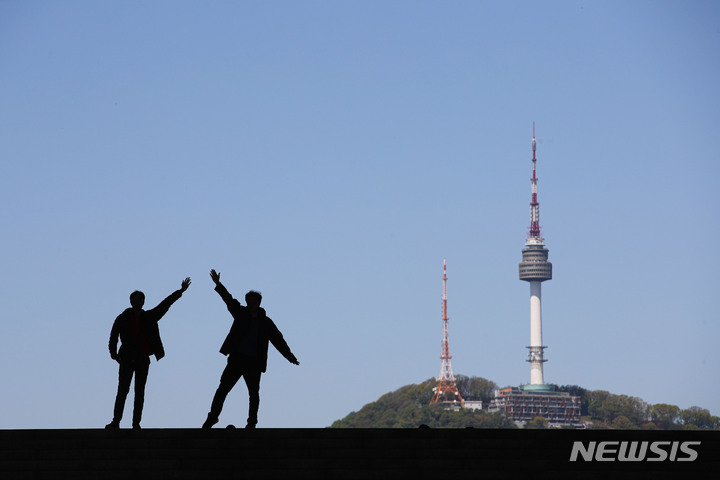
(535,269)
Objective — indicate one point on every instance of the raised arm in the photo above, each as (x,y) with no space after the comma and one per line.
(232,303)
(220,288)
(162,308)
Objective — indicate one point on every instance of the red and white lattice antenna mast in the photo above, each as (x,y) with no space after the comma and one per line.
(534,232)
(446,390)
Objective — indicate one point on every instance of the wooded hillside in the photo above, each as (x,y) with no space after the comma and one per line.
(409,407)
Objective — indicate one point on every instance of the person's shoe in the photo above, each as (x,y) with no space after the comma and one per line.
(250,426)
(112,425)
(136,426)
(209,422)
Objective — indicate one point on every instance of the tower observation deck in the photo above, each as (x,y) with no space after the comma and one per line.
(535,266)
(535,269)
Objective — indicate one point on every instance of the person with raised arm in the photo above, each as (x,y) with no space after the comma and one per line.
(246,347)
(140,338)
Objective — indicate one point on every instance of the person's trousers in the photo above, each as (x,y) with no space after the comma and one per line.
(140,369)
(239,366)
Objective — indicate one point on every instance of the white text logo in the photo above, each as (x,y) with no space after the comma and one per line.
(616,451)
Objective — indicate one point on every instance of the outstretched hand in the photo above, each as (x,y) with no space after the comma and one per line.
(215,276)
(185,284)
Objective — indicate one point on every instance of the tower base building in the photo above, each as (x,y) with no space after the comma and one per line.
(524,403)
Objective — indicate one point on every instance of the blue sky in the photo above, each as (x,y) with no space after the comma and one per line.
(331,154)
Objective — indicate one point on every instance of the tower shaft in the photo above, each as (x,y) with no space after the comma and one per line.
(536,348)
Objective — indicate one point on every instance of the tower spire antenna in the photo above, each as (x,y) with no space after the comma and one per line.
(535,269)
(534,204)
(446,390)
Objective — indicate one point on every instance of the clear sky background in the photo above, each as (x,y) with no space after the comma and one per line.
(330,154)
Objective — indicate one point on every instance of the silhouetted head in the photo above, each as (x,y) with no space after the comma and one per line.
(137,299)
(253,299)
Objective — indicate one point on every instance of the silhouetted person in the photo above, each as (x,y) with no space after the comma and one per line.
(140,336)
(246,346)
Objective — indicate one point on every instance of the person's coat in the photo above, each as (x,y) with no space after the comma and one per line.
(123,328)
(267,331)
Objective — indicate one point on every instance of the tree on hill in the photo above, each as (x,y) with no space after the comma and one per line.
(607,410)
(475,388)
(696,417)
(665,416)
(607,407)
